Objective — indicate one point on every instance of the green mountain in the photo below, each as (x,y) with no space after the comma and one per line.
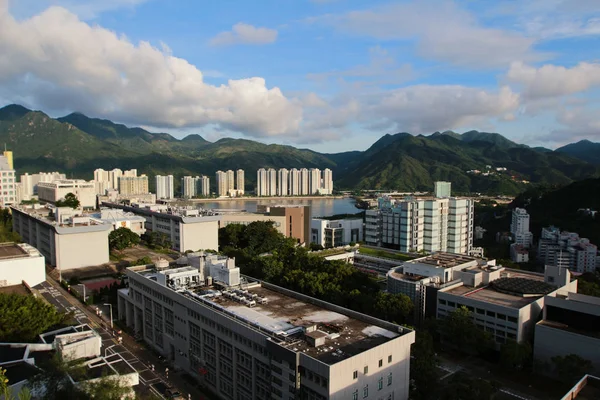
(77,144)
(584,150)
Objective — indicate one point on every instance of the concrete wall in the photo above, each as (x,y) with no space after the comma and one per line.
(248,218)
(201,235)
(81,249)
(29,269)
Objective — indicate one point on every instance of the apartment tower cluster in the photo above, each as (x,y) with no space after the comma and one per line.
(230,183)
(293,182)
(126,182)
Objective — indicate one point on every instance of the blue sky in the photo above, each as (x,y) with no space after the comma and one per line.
(331,75)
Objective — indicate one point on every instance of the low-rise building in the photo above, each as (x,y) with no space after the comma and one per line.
(257,341)
(567,249)
(186,228)
(518,253)
(51,192)
(67,238)
(570,325)
(333,233)
(21,263)
(121,219)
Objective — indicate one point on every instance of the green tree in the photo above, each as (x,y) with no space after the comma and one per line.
(142,261)
(23,318)
(107,388)
(464,387)
(5,390)
(460,331)
(70,200)
(516,356)
(122,238)
(423,367)
(157,240)
(571,368)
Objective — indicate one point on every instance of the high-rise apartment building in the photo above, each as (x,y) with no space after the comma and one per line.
(327,186)
(261,182)
(129,185)
(222,184)
(204,186)
(8,189)
(189,186)
(567,250)
(112,177)
(304,182)
(314,183)
(29,182)
(442,189)
(282,182)
(165,187)
(240,181)
(230,182)
(294,183)
(519,228)
(272,181)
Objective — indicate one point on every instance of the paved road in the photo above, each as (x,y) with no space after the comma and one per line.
(140,358)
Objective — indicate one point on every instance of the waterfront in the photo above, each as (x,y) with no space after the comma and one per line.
(319,207)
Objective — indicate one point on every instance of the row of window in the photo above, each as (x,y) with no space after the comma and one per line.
(365,390)
(480,311)
(366,367)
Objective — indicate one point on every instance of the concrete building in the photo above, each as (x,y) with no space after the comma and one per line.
(569,326)
(587,388)
(29,183)
(442,189)
(294,182)
(428,224)
(189,186)
(297,219)
(304,182)
(230,182)
(222,184)
(112,177)
(246,218)
(479,232)
(327,185)
(204,186)
(333,233)
(257,341)
(21,262)
(505,303)
(132,185)
(240,183)
(518,253)
(272,182)
(314,183)
(519,228)
(8,191)
(120,219)
(567,249)
(67,239)
(283,176)
(186,228)
(165,188)
(51,192)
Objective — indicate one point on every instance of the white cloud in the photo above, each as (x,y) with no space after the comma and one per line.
(245,34)
(442,30)
(553,80)
(426,109)
(56,61)
(85,9)
(577,124)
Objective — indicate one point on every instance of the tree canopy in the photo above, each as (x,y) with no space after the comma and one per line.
(465,387)
(122,238)
(423,367)
(462,332)
(571,368)
(70,200)
(23,318)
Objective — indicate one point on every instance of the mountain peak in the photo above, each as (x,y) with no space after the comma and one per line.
(12,112)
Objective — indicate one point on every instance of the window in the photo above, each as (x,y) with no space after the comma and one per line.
(366,370)
(380,384)
(389,359)
(355,395)
(443,302)
(380,363)
(366,391)
(491,314)
(390,379)
(355,375)
(512,319)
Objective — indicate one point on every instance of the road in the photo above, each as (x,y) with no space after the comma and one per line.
(139,357)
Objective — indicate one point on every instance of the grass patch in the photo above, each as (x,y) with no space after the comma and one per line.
(385,254)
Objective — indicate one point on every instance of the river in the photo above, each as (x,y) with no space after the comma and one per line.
(319,207)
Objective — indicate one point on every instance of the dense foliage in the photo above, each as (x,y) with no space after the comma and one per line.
(6,231)
(458,330)
(571,368)
(589,284)
(157,240)
(122,238)
(423,370)
(284,264)
(23,318)
(70,200)
(465,387)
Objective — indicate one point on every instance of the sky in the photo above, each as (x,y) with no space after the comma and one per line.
(329,75)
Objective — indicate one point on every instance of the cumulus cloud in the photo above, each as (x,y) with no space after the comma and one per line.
(426,108)
(443,32)
(56,60)
(242,33)
(577,124)
(553,80)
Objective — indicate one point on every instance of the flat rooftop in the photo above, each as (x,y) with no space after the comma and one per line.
(106,366)
(11,250)
(15,289)
(444,260)
(407,277)
(592,332)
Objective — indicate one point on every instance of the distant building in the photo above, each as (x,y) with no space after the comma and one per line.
(204,186)
(30,182)
(222,184)
(8,190)
(297,220)
(282,182)
(294,182)
(112,177)
(21,262)
(129,185)
(240,184)
(327,185)
(333,233)
(518,253)
(272,182)
(230,183)
(189,186)
(304,182)
(567,249)
(68,239)
(479,232)
(165,188)
(519,228)
(442,189)
(120,219)
(52,192)
(315,181)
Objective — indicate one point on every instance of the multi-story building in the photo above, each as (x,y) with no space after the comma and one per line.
(332,233)
(29,182)
(294,183)
(240,183)
(222,184)
(204,186)
(8,190)
(262,189)
(428,224)
(282,182)
(519,228)
(120,219)
(112,177)
(189,186)
(518,253)
(272,182)
(66,238)
(253,341)
(165,188)
(230,182)
(314,183)
(505,303)
(52,192)
(186,228)
(131,185)
(21,262)
(442,189)
(304,182)
(327,187)
(567,249)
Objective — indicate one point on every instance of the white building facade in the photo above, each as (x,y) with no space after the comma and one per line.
(333,233)
(519,228)
(21,262)
(165,188)
(52,192)
(8,189)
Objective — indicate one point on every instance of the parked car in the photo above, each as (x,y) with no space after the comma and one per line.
(173,395)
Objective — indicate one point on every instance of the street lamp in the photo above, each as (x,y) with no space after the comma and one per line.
(111,319)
